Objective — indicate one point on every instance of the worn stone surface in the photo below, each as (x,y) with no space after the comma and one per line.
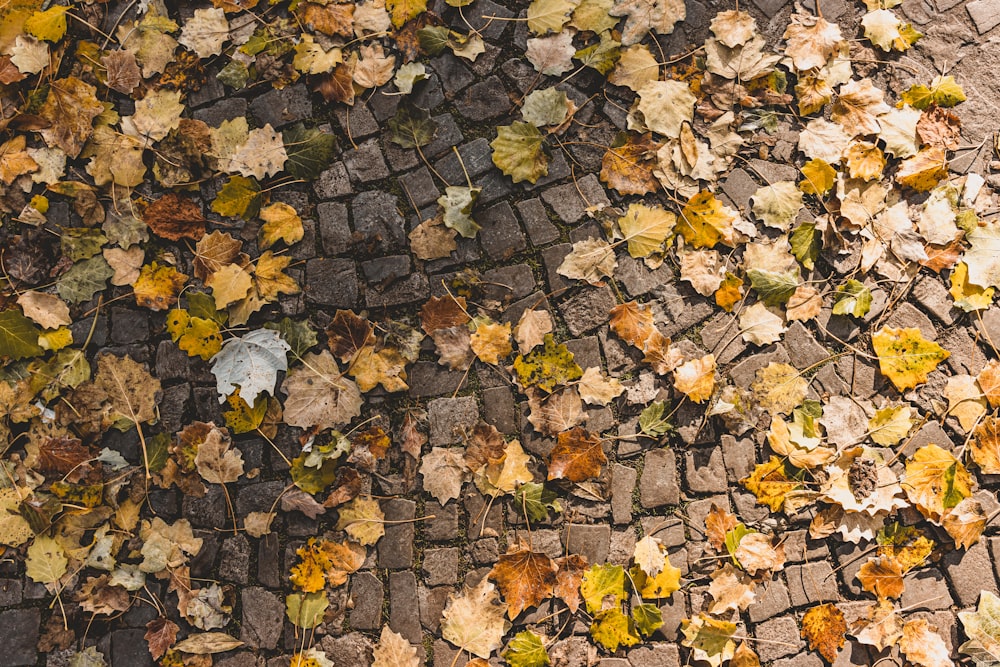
(658,484)
(263,612)
(811,583)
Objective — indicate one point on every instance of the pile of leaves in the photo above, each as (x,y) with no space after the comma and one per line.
(99,123)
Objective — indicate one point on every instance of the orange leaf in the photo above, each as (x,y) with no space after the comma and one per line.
(568,579)
(577,456)
(629,168)
(443,312)
(175,217)
(824,628)
(525,578)
(883,577)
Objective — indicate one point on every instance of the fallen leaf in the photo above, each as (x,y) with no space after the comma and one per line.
(905,356)
(824,627)
(474,621)
(577,456)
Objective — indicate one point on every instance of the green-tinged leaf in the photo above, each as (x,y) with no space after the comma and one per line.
(84,280)
(411,127)
(18,336)
(313,479)
(944,91)
(982,627)
(547,367)
(647,618)
(806,242)
(733,537)
(519,152)
(457,202)
(81,242)
(852,298)
(158,451)
(601,56)
(611,629)
(601,582)
(536,501)
(299,335)
(526,650)
(202,304)
(773,288)
(305,610)
(241,418)
(434,39)
(235,74)
(545,107)
(653,419)
(239,197)
(309,150)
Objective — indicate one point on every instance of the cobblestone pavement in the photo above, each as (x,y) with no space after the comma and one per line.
(355,254)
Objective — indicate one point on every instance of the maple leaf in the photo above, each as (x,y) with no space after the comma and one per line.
(251,363)
(824,627)
(157,286)
(770,483)
(525,578)
(205,32)
(554,413)
(936,481)
(474,621)
(944,91)
(811,41)
(70,107)
(628,165)
(394,651)
(319,396)
(161,634)
(905,357)
(577,456)
(281,222)
(633,323)
(262,155)
(216,461)
(14,160)
(645,16)
(923,645)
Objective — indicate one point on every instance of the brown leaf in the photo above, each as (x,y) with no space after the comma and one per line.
(330,19)
(338,85)
(443,312)
(347,334)
(63,455)
(346,487)
(965,522)
(484,445)
(123,72)
(629,168)
(9,73)
(568,580)
(718,522)
(412,437)
(454,347)
(98,596)
(525,578)
(882,576)
(213,252)
(70,107)
(940,258)
(161,633)
(985,444)
(744,657)
(551,414)
(939,127)
(577,456)
(824,628)
(175,217)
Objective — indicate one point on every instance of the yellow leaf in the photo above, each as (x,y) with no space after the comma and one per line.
(491,342)
(362,519)
(936,481)
(967,295)
(706,221)
(269,278)
(281,222)
(696,378)
(158,286)
(924,170)
(47,561)
(198,336)
(386,367)
(646,229)
(905,357)
(229,284)
(48,26)
(865,161)
(824,628)
(770,483)
(402,11)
